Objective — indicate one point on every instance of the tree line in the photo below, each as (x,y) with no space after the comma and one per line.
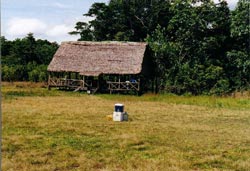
(26,59)
(197,46)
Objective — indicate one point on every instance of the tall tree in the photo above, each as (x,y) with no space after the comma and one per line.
(123,20)
(239,56)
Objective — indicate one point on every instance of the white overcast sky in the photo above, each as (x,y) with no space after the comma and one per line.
(47,19)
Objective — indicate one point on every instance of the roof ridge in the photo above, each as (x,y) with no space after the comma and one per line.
(105,43)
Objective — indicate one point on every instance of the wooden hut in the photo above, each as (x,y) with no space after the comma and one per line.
(104,66)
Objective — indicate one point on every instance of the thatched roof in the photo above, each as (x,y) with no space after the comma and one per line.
(95,58)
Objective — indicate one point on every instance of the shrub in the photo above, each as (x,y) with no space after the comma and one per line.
(38,74)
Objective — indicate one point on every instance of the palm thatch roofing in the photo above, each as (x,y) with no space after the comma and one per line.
(95,58)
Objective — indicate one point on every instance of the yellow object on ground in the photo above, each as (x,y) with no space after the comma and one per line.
(109,117)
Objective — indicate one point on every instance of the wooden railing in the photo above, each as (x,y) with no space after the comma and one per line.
(123,86)
(68,83)
(76,85)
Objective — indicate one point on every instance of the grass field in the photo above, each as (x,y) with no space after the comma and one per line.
(58,130)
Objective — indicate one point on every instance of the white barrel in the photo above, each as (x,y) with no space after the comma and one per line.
(117,116)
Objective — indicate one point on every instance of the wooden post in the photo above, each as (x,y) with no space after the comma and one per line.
(110,91)
(83,79)
(119,85)
(49,82)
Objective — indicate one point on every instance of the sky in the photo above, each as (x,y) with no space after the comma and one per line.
(47,19)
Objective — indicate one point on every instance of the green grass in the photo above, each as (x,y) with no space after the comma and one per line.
(208,101)
(58,130)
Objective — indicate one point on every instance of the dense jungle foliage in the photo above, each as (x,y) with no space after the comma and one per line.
(197,46)
(26,59)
